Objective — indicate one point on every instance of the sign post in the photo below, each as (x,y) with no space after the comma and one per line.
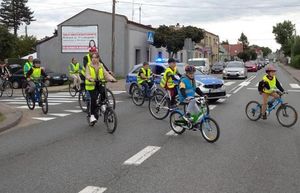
(150,40)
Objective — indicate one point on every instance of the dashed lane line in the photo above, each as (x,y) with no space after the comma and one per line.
(73,111)
(93,189)
(44,118)
(229,83)
(295,86)
(141,156)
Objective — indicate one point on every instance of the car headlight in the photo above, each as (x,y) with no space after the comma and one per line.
(242,71)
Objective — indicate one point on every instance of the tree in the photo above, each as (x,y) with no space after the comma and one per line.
(25,45)
(173,39)
(283,35)
(15,12)
(244,40)
(225,42)
(266,51)
(7,43)
(296,46)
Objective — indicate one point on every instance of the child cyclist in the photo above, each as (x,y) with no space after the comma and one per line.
(267,87)
(187,91)
(144,76)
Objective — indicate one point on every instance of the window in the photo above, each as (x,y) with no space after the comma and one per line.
(137,56)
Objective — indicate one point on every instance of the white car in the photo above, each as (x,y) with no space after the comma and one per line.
(201,64)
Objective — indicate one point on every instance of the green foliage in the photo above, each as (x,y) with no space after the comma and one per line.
(295,62)
(283,35)
(15,12)
(173,39)
(247,55)
(225,42)
(26,45)
(266,51)
(296,46)
(244,40)
(7,43)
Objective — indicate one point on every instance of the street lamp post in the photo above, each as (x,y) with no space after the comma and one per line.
(113,36)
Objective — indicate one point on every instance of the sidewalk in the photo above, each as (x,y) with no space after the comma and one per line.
(12,117)
(295,73)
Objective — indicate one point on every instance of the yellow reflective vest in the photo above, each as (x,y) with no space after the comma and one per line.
(147,73)
(100,76)
(272,84)
(36,73)
(164,83)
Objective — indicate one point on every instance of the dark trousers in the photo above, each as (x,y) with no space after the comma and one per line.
(99,89)
(174,93)
(147,85)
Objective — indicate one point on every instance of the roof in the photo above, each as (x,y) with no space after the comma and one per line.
(211,33)
(233,49)
(45,39)
(128,21)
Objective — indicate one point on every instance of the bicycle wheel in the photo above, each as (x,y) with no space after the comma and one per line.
(24,86)
(8,88)
(287,115)
(253,110)
(44,102)
(1,91)
(45,89)
(159,106)
(138,97)
(111,98)
(82,101)
(177,122)
(110,120)
(210,130)
(30,101)
(72,89)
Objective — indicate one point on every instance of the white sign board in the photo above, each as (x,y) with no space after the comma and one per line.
(79,38)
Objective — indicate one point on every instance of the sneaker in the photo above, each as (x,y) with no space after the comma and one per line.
(93,119)
(264,116)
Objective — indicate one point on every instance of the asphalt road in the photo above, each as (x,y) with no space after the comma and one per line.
(65,155)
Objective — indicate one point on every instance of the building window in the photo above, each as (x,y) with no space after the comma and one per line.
(137,56)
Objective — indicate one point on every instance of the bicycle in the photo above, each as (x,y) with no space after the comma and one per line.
(25,85)
(82,99)
(284,111)
(6,86)
(202,121)
(73,90)
(139,94)
(39,96)
(110,117)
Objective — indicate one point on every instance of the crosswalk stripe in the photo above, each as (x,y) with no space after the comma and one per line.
(171,133)
(295,86)
(141,156)
(93,189)
(221,100)
(229,83)
(211,107)
(26,107)
(44,118)
(24,103)
(59,114)
(73,111)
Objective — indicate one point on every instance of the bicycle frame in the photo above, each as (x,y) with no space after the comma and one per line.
(277,102)
(37,93)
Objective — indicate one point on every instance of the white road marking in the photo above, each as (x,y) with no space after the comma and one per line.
(93,189)
(74,111)
(118,92)
(24,103)
(244,83)
(229,83)
(293,90)
(211,107)
(257,84)
(252,88)
(59,114)
(221,100)
(44,118)
(26,107)
(12,100)
(171,133)
(295,86)
(237,90)
(141,156)
(234,88)
(228,95)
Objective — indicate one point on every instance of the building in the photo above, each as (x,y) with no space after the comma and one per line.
(223,54)
(93,28)
(233,49)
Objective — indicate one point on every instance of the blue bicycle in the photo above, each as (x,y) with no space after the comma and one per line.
(286,115)
(39,96)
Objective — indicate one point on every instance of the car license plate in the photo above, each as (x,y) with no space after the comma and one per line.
(215,90)
(65,78)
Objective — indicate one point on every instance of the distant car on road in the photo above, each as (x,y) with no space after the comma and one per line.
(251,66)
(212,86)
(217,67)
(201,64)
(235,69)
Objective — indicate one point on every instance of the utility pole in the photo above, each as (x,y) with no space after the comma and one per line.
(140,14)
(132,10)
(113,36)
(26,34)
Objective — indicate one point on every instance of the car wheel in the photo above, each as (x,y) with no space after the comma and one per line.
(15,85)
(47,83)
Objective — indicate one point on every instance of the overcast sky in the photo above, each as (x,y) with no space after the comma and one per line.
(228,19)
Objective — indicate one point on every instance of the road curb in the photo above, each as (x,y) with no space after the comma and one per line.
(8,123)
(295,78)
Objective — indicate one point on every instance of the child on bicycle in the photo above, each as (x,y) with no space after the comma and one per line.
(34,75)
(144,76)
(4,72)
(168,79)
(267,87)
(188,89)
(74,71)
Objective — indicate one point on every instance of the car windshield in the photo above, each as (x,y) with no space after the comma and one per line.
(235,65)
(218,65)
(197,63)
(180,68)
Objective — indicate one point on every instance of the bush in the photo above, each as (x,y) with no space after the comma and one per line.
(296,47)
(296,61)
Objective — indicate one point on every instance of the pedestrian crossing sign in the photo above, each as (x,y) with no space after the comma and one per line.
(150,37)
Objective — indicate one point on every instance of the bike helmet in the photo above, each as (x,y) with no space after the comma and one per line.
(36,61)
(190,68)
(270,68)
(171,60)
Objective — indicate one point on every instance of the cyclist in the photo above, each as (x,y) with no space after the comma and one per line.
(74,69)
(34,75)
(4,72)
(267,87)
(188,89)
(144,76)
(27,66)
(96,72)
(168,79)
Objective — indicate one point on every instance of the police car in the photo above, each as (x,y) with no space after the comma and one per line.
(212,86)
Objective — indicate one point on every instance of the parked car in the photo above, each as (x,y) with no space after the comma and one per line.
(217,67)
(235,69)
(201,64)
(212,86)
(251,66)
(17,77)
(56,78)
